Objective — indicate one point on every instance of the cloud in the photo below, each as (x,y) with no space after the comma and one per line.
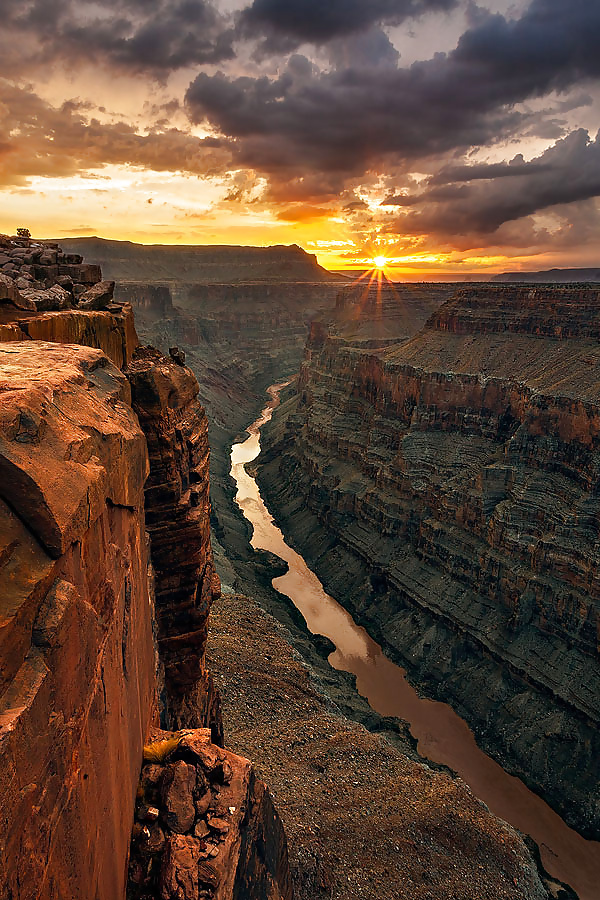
(485,171)
(566,173)
(151,36)
(286,24)
(356,118)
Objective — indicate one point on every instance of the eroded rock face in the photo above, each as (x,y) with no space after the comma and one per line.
(204,826)
(446,490)
(77,680)
(43,277)
(164,395)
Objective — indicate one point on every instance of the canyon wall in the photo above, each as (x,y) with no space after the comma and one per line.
(238,335)
(446,490)
(125,261)
(164,396)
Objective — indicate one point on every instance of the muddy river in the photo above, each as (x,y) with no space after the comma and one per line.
(442,735)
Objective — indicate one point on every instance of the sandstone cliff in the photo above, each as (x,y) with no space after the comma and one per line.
(178,522)
(446,490)
(77,656)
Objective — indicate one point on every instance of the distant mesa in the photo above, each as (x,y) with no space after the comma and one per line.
(551,276)
(213,264)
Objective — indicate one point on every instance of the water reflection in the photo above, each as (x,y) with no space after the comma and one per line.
(442,735)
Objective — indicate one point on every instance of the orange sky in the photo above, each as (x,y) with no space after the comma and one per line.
(436,140)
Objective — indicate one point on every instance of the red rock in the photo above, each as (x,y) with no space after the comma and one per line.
(77,681)
(164,395)
(10,292)
(177,790)
(179,874)
(98,297)
(81,274)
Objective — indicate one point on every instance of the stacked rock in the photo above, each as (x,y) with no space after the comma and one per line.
(37,275)
(185,824)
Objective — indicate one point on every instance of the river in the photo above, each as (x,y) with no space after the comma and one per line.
(443,737)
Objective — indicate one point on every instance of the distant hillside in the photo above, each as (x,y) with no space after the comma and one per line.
(126,261)
(551,276)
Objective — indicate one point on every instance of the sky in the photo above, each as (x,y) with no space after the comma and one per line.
(447,136)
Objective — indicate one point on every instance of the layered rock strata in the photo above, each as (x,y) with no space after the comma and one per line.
(77,678)
(126,261)
(164,396)
(446,491)
(47,295)
(238,337)
(375,313)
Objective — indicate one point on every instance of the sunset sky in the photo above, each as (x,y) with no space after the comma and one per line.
(448,136)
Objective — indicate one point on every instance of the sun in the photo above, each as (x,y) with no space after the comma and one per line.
(380,262)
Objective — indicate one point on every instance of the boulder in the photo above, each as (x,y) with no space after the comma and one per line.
(85,274)
(9,291)
(179,875)
(98,297)
(54,298)
(177,793)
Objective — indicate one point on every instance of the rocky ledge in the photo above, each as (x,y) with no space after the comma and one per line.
(446,492)
(41,277)
(164,396)
(48,295)
(91,495)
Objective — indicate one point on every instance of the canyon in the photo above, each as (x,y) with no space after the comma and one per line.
(128,709)
(444,489)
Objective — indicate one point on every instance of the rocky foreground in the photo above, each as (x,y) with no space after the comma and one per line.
(93,495)
(446,491)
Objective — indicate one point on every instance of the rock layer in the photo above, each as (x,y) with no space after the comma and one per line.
(164,396)
(446,490)
(79,671)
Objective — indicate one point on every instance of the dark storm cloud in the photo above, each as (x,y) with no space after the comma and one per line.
(288,23)
(485,171)
(155,36)
(354,118)
(565,173)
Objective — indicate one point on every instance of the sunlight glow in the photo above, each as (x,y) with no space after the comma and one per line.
(380,262)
